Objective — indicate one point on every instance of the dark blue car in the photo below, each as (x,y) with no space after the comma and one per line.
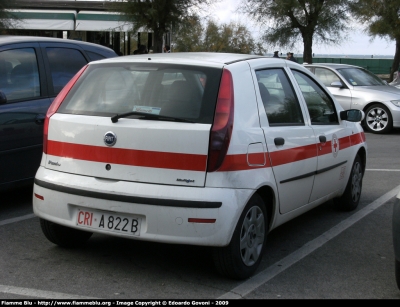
(33,70)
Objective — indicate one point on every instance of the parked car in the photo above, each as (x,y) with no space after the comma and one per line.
(396,238)
(357,88)
(33,70)
(206,149)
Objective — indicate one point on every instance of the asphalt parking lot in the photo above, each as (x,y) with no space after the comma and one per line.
(323,254)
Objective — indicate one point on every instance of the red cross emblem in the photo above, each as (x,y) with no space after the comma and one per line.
(335,145)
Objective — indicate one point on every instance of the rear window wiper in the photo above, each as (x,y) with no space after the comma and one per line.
(142,115)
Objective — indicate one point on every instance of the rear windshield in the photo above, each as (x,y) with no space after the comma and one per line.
(180,91)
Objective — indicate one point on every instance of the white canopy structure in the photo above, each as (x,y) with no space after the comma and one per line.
(70,20)
(101,21)
(44,20)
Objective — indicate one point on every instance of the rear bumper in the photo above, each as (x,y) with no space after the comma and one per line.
(164,210)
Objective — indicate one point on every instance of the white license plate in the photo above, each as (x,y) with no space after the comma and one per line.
(108,221)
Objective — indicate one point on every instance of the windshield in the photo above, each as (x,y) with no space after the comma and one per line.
(360,77)
(162,90)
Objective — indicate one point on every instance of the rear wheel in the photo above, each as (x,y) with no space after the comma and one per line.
(378,119)
(64,236)
(351,196)
(242,256)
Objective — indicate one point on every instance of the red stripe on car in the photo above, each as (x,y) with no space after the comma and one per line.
(180,161)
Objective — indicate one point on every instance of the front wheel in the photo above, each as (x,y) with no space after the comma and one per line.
(242,256)
(64,236)
(378,119)
(351,196)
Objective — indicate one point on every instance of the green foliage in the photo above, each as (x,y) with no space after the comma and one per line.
(6,17)
(233,38)
(382,19)
(159,16)
(287,22)
(380,16)
(189,36)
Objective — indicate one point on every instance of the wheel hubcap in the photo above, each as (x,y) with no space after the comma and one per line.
(252,236)
(377,119)
(356,181)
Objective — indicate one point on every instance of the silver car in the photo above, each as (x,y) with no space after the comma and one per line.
(396,238)
(357,88)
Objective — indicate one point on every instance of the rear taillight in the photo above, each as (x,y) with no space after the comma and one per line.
(221,130)
(56,104)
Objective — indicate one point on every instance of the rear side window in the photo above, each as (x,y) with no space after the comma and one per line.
(320,106)
(64,64)
(19,75)
(326,76)
(162,89)
(278,97)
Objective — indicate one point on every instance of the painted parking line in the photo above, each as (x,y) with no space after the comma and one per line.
(251,284)
(382,170)
(254,282)
(17,219)
(34,293)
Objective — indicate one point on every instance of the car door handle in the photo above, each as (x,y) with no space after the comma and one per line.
(322,138)
(279,141)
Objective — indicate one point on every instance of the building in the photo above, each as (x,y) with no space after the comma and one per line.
(91,21)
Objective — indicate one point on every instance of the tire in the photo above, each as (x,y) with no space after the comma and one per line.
(64,236)
(351,196)
(397,272)
(378,119)
(241,258)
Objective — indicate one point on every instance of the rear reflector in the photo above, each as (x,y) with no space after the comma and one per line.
(221,130)
(39,196)
(204,221)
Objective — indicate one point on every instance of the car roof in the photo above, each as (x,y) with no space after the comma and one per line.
(12,39)
(331,65)
(194,58)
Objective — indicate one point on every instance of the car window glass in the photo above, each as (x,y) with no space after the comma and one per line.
(278,97)
(19,75)
(94,56)
(64,64)
(360,77)
(319,104)
(326,76)
(162,89)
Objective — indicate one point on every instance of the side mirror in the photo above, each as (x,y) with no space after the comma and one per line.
(3,98)
(352,115)
(386,83)
(337,84)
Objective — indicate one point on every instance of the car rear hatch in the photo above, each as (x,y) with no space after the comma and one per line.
(137,122)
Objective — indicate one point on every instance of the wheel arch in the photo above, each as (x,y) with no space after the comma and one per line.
(268,196)
(363,155)
(372,103)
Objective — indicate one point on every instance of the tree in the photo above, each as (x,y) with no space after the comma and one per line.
(6,16)
(382,19)
(189,35)
(290,21)
(159,16)
(232,37)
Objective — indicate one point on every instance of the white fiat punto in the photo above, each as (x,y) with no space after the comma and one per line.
(206,149)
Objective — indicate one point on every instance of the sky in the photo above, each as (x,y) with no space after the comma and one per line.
(357,44)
